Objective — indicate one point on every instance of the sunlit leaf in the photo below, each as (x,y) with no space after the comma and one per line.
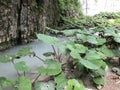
(99,81)
(52,68)
(47,39)
(24,83)
(69,32)
(92,55)
(63,49)
(61,81)
(80,48)
(74,54)
(91,64)
(101,41)
(24,51)
(6,58)
(92,39)
(45,86)
(21,66)
(117,39)
(83,37)
(106,51)
(5,82)
(73,84)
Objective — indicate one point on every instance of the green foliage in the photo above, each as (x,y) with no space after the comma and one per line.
(44,86)
(23,83)
(99,20)
(99,81)
(48,39)
(52,68)
(61,81)
(21,66)
(89,49)
(4,82)
(24,51)
(73,84)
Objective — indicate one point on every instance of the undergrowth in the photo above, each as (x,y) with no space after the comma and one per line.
(82,53)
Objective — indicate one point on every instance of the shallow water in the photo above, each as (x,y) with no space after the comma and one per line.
(7,69)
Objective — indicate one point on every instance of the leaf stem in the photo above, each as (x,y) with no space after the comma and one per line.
(54,51)
(15,69)
(39,58)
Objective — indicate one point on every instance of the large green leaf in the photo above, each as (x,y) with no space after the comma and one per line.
(91,64)
(117,39)
(70,47)
(92,55)
(83,37)
(109,31)
(45,86)
(61,81)
(101,41)
(69,32)
(4,82)
(74,54)
(63,49)
(48,39)
(99,81)
(99,72)
(80,48)
(106,51)
(21,66)
(52,68)
(92,39)
(74,83)
(6,58)
(24,83)
(24,51)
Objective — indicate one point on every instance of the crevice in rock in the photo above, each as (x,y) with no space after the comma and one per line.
(19,22)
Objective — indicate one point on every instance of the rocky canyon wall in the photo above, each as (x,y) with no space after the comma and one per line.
(20,20)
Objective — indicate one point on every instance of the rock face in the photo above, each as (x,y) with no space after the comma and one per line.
(20,20)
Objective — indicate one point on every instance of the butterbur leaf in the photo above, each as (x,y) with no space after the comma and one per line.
(99,72)
(61,81)
(117,39)
(21,66)
(74,54)
(91,64)
(92,55)
(106,51)
(73,84)
(83,37)
(63,49)
(24,83)
(92,39)
(100,41)
(98,81)
(70,47)
(52,68)
(24,51)
(48,54)
(48,39)
(5,82)
(80,48)
(44,86)
(6,58)
(69,32)
(109,32)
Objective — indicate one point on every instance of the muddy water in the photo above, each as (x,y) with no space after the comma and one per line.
(7,69)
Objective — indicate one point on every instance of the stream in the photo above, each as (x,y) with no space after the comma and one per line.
(7,69)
